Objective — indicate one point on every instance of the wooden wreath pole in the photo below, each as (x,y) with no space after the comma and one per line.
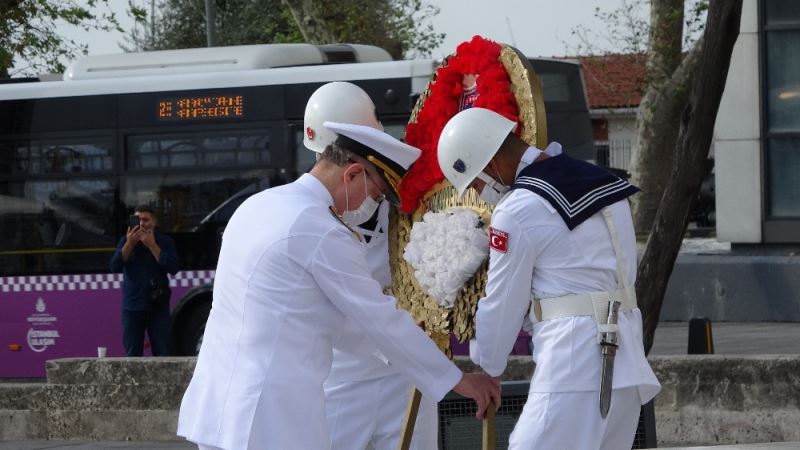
(410,420)
(489,428)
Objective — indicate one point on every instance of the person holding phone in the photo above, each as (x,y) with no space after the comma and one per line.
(145,257)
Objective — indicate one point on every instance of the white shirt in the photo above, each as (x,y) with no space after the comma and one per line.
(289,274)
(545,259)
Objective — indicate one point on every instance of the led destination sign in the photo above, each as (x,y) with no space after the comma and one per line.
(198,108)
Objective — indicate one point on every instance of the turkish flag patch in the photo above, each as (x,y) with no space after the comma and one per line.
(498,240)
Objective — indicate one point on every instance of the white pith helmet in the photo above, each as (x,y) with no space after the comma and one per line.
(338,101)
(468,142)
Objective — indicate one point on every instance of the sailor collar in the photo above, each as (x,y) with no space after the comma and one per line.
(575,189)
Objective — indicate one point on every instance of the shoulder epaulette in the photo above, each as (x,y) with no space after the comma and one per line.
(339,218)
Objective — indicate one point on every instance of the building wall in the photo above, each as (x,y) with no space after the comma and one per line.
(619,127)
(737,145)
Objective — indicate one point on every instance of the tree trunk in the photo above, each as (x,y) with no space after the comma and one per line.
(691,160)
(659,110)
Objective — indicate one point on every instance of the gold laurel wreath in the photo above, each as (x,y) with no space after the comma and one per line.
(459,320)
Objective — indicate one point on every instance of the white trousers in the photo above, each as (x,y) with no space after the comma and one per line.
(370,414)
(571,420)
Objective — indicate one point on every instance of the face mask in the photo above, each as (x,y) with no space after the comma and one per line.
(493,191)
(365,211)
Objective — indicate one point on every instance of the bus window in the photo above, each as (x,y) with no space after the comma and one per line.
(201,149)
(58,225)
(57,156)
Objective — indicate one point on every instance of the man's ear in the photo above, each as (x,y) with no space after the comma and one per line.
(353,171)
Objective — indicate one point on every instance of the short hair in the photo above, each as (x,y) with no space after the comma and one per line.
(145,208)
(339,155)
(336,154)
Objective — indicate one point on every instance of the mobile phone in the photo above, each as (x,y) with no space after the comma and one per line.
(133,220)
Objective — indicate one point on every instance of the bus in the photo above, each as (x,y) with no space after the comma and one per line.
(192,133)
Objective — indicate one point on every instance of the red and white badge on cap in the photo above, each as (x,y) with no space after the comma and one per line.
(498,240)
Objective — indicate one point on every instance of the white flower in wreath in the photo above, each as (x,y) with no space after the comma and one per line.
(445,250)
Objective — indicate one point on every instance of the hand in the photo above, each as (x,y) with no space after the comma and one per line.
(133,235)
(482,388)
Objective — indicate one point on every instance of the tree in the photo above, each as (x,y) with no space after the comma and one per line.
(400,26)
(28,33)
(691,164)
(657,116)
(181,24)
(669,72)
(675,122)
(667,40)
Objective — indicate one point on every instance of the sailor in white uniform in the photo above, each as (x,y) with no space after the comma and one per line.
(562,248)
(365,396)
(290,274)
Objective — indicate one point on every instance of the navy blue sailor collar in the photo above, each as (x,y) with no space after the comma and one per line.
(575,189)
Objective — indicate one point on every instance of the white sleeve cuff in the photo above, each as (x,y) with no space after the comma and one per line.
(474,351)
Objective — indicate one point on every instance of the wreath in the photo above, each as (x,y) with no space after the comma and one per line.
(478,58)
(481,73)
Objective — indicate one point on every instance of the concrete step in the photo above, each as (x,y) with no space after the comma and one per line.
(23,411)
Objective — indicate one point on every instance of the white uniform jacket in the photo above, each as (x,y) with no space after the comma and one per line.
(289,274)
(348,366)
(545,259)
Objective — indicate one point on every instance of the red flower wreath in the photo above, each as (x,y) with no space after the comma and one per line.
(480,57)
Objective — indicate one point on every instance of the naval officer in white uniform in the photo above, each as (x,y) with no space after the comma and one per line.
(290,274)
(365,396)
(561,245)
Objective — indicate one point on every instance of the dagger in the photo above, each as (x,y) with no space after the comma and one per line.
(609,346)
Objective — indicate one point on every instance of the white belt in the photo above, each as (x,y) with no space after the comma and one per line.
(581,304)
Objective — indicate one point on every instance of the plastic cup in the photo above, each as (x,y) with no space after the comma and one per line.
(101,352)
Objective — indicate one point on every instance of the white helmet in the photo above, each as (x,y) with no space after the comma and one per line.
(341,102)
(468,142)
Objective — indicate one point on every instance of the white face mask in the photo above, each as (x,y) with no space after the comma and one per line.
(364,211)
(492,191)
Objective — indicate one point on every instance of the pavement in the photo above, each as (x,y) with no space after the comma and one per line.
(732,338)
(752,338)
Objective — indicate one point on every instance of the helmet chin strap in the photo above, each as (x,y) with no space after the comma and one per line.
(501,178)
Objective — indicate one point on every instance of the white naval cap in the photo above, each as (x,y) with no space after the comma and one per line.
(390,156)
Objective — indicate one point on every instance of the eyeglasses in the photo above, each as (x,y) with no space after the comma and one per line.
(381,197)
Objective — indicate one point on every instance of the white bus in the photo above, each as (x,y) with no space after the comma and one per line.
(191,133)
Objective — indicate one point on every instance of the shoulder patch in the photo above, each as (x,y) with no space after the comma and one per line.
(339,218)
(498,240)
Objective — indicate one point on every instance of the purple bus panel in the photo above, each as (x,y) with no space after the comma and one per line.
(522,346)
(63,316)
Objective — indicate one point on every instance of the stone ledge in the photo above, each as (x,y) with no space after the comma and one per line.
(23,396)
(104,397)
(128,425)
(20,424)
(706,399)
(131,371)
(741,383)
